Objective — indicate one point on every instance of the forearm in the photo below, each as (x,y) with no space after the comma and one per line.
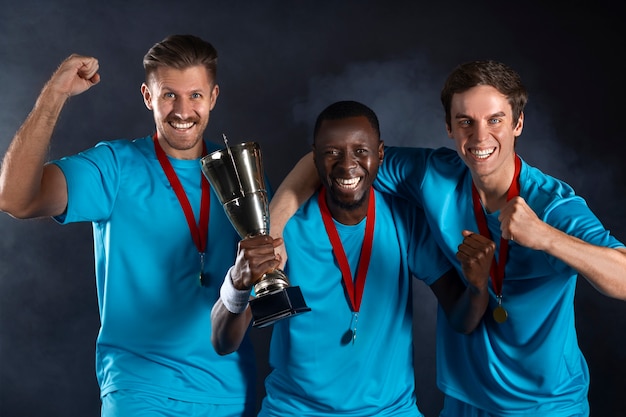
(463,304)
(228,329)
(295,189)
(468,310)
(604,268)
(23,165)
(231,314)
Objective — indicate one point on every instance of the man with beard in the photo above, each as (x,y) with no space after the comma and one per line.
(162,244)
(352,251)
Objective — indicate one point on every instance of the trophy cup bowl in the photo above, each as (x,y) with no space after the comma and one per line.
(236,175)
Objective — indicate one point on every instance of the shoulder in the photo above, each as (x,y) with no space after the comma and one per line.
(554,201)
(541,189)
(399,211)
(442,158)
(104,153)
(143,145)
(446,160)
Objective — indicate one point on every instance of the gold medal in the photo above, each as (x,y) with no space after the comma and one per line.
(500,315)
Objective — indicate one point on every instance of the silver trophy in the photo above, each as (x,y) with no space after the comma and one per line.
(236,175)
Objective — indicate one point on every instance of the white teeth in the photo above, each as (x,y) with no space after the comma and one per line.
(482,153)
(348,182)
(181,125)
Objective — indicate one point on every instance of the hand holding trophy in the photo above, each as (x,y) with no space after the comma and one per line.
(236,175)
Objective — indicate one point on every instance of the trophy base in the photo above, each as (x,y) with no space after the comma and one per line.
(268,309)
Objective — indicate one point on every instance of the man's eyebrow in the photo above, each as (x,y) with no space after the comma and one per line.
(465,116)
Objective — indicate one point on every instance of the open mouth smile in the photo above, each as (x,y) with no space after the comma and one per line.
(482,153)
(181,126)
(348,183)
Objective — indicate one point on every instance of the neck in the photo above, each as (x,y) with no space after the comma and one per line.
(493,189)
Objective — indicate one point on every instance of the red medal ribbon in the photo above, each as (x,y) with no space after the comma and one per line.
(497,268)
(354,289)
(200,231)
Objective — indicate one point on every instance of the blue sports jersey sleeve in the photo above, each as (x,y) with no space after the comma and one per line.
(401,173)
(93,177)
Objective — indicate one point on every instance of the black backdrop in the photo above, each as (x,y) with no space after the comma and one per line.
(281,62)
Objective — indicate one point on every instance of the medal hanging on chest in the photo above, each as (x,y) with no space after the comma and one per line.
(354,289)
(500,315)
(199,231)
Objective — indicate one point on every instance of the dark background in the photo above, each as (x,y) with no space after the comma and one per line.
(281,62)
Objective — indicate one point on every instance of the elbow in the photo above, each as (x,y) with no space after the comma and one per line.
(465,322)
(221,351)
(13,210)
(224,336)
(15,207)
(460,325)
(466,329)
(221,348)
(16,211)
(16,214)
(5,205)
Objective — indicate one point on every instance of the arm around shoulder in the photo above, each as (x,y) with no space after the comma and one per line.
(295,189)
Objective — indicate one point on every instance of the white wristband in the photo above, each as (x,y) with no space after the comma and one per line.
(235,301)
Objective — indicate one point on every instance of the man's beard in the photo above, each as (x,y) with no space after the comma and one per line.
(348,206)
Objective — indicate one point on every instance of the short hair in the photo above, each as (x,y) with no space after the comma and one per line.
(490,73)
(181,52)
(345,109)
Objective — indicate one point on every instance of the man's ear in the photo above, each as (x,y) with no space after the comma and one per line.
(214,93)
(147,97)
(517,130)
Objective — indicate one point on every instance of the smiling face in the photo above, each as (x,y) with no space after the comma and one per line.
(347,154)
(484,133)
(181,101)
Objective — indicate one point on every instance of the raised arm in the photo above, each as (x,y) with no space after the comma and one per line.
(296,188)
(28,187)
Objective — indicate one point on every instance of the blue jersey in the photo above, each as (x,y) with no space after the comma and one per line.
(531,363)
(314,371)
(155,333)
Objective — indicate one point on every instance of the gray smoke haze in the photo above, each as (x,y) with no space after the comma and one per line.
(401,92)
(280,64)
